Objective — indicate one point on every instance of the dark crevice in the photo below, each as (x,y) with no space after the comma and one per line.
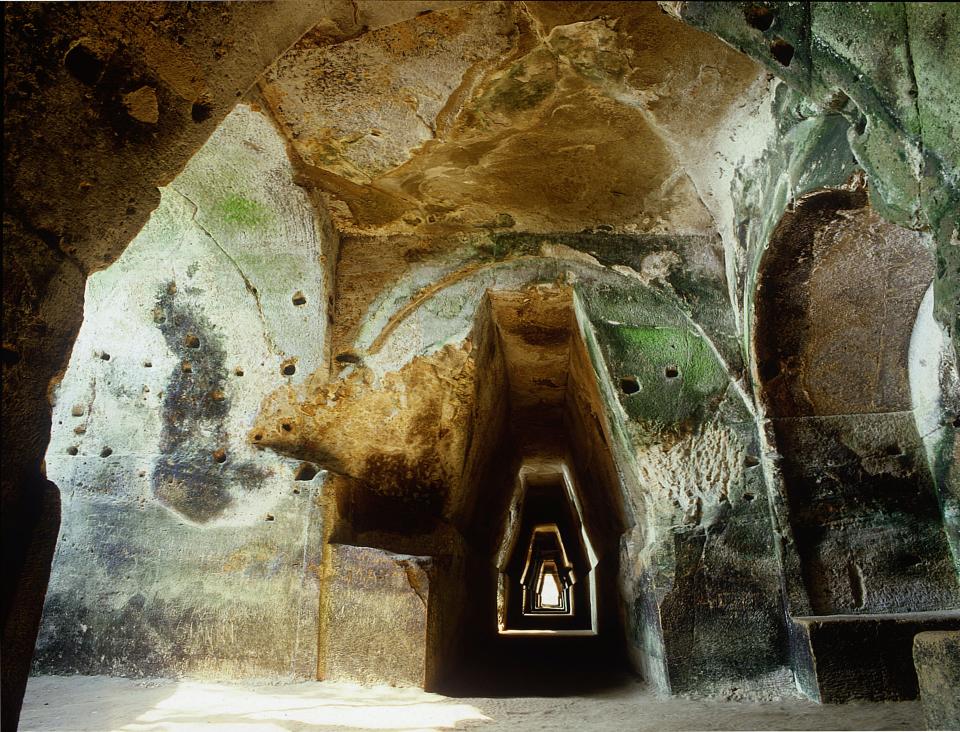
(759,17)
(782,51)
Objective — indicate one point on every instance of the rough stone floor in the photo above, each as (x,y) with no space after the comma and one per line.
(99,703)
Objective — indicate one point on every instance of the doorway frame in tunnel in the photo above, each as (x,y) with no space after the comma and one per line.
(543,468)
(565,602)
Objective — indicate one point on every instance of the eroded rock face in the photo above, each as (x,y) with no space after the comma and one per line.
(406,466)
(937,658)
(181,338)
(852,284)
(699,560)
(499,115)
(375,617)
(844,657)
(832,343)
(885,69)
(935,393)
(80,177)
(376,121)
(552,220)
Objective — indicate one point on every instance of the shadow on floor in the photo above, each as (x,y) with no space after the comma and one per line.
(540,666)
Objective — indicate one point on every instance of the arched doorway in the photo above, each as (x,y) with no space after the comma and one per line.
(838,294)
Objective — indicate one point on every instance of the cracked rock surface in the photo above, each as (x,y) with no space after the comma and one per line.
(529,113)
(181,338)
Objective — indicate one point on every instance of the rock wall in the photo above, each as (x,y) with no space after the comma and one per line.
(935,394)
(935,655)
(183,548)
(541,242)
(700,560)
(80,175)
(680,441)
(838,296)
(883,68)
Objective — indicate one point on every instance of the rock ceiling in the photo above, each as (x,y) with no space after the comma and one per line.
(534,115)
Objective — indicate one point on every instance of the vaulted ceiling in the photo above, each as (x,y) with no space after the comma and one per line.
(540,116)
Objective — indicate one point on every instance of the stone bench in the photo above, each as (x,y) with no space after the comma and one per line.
(842,657)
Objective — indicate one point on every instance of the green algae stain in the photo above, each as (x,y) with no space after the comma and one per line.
(241,213)
(667,375)
(525,86)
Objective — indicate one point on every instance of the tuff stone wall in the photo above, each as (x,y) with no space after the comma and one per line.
(80,175)
(935,395)
(541,235)
(184,548)
(833,363)
(936,656)
(884,68)
(685,441)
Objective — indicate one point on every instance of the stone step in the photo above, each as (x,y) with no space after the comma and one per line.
(936,656)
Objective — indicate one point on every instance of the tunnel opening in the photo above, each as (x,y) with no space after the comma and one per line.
(504,580)
(547,586)
(541,513)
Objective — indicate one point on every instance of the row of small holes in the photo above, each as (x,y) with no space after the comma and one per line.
(631,385)
(192,341)
(219,456)
(305,472)
(105,452)
(287,369)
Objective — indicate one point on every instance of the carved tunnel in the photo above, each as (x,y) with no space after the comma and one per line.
(541,488)
(433,365)
(548,584)
(538,500)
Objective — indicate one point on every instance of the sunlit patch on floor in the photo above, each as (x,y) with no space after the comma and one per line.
(123,705)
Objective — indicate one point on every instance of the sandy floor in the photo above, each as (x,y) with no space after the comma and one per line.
(100,704)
